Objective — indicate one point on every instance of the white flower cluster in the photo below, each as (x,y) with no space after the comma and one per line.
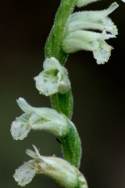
(85,30)
(89,30)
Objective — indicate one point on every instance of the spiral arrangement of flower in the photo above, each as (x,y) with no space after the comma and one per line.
(71,32)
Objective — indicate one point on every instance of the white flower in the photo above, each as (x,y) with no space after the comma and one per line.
(81,33)
(38,119)
(58,169)
(53,79)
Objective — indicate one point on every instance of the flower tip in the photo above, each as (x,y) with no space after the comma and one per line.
(24,106)
(114,6)
(19,131)
(20,101)
(102,55)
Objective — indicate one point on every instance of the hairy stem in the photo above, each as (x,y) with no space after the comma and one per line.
(63,102)
(71,147)
(53,48)
(53,45)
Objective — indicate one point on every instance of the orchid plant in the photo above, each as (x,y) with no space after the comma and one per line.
(71,32)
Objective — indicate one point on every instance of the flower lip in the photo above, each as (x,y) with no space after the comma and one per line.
(53,79)
(25,173)
(19,131)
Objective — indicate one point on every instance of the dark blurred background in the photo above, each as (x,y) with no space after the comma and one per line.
(99,93)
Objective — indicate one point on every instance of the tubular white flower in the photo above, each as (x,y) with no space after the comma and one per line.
(93,20)
(53,79)
(58,169)
(81,33)
(38,119)
(81,3)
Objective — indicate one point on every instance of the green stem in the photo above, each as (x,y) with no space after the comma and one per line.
(53,45)
(63,103)
(71,146)
(53,48)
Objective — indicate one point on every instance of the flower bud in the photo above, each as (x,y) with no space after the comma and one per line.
(53,79)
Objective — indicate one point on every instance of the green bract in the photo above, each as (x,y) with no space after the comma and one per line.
(53,79)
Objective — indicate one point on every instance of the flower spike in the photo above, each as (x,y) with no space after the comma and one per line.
(71,32)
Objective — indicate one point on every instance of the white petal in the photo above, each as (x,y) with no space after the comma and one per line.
(25,173)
